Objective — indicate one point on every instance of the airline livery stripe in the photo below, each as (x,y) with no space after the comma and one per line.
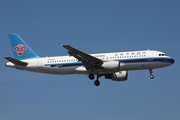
(165,60)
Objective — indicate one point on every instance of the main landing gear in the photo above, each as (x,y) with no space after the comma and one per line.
(151,75)
(91,76)
(96,82)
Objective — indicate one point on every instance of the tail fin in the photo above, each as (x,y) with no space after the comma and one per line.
(20,49)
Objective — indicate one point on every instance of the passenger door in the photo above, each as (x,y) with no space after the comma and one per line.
(39,63)
(149,55)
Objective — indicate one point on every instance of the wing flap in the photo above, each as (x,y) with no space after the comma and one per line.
(15,61)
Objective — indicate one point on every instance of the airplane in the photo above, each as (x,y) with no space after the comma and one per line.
(113,66)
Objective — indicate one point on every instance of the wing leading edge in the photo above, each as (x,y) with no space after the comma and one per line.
(90,62)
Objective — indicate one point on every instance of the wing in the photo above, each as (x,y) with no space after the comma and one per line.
(89,61)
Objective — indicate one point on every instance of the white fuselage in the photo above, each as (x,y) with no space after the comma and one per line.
(133,60)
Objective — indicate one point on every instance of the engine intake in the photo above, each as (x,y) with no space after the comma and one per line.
(118,76)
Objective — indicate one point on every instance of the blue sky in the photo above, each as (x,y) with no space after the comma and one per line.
(92,26)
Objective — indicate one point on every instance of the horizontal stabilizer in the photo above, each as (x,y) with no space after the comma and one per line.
(16,62)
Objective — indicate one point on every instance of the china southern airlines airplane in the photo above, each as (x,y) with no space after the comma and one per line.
(114,66)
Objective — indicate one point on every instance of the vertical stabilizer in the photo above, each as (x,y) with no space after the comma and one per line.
(20,49)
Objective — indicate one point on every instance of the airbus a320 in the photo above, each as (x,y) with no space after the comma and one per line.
(113,66)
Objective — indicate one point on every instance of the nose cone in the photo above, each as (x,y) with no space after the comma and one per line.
(172,61)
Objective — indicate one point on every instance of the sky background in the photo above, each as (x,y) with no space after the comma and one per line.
(93,26)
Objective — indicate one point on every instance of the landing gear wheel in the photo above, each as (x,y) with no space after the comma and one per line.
(151,76)
(96,82)
(91,76)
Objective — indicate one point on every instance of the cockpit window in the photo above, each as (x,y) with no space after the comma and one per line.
(162,54)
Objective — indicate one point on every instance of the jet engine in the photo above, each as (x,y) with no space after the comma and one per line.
(111,65)
(118,76)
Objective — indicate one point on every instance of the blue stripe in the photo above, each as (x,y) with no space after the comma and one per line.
(167,60)
(139,60)
(65,64)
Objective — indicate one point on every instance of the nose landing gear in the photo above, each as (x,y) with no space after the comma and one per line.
(151,75)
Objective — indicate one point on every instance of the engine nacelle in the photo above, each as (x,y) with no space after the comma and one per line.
(118,76)
(111,65)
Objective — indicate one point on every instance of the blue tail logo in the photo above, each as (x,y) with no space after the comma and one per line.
(20,49)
